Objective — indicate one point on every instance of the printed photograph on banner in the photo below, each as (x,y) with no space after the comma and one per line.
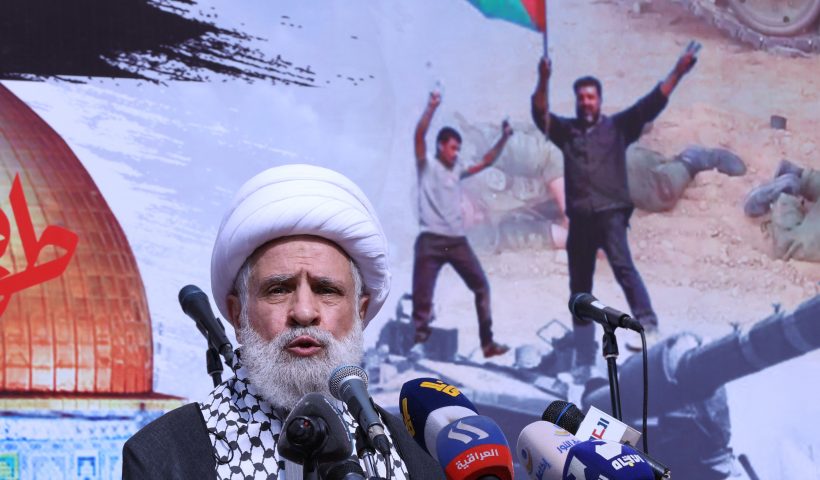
(660,156)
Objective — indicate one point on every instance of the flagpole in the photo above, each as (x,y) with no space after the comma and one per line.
(546,57)
(546,41)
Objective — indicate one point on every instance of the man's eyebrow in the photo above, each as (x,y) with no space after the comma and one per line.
(327,282)
(276,279)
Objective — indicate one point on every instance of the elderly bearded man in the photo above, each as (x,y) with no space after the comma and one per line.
(299,267)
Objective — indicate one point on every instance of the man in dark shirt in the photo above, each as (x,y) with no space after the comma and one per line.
(597,194)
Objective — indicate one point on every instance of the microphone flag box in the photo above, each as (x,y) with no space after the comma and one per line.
(542,449)
(473,447)
(428,405)
(598,425)
(597,459)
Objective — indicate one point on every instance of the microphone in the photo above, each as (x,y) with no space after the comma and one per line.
(195,304)
(348,469)
(584,305)
(428,405)
(597,425)
(314,432)
(348,383)
(474,448)
(542,449)
(596,459)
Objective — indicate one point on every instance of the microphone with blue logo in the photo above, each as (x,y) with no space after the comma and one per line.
(542,450)
(597,425)
(596,459)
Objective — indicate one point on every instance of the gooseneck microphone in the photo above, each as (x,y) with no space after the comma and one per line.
(348,383)
(587,307)
(195,304)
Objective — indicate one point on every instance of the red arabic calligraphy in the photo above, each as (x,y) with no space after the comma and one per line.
(53,235)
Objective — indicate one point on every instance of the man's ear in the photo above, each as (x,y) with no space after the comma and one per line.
(234,308)
(364,301)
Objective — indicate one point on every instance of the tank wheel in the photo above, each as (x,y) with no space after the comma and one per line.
(777,17)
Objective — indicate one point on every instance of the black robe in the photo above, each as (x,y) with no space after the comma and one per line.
(177,446)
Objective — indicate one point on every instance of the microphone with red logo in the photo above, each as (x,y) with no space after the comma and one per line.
(542,450)
(474,448)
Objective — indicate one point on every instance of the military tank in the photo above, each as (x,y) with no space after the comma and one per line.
(511,206)
(689,411)
(782,26)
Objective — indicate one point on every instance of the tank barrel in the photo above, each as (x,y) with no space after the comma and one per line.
(682,371)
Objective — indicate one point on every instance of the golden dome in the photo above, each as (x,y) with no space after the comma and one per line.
(73,313)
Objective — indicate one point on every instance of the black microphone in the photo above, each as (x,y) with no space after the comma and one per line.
(587,307)
(348,383)
(196,305)
(314,432)
(348,469)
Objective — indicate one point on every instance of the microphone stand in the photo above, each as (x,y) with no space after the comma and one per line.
(610,351)
(214,365)
(366,452)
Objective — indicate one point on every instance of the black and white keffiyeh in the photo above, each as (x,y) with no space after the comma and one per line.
(244,430)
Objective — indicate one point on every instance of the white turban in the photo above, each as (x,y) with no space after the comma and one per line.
(301,200)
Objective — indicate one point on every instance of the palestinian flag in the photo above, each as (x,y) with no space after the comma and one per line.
(527,13)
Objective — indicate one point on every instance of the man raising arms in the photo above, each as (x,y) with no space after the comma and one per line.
(597,194)
(442,239)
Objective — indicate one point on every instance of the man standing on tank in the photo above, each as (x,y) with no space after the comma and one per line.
(443,238)
(597,193)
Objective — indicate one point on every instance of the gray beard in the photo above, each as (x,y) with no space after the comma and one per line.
(282,378)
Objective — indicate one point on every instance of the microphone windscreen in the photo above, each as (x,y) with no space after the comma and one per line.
(474,447)
(337,444)
(542,449)
(343,374)
(427,405)
(595,459)
(564,414)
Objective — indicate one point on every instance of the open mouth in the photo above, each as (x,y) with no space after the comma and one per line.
(304,346)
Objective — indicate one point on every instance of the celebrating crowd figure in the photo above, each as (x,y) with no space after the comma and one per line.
(443,238)
(598,202)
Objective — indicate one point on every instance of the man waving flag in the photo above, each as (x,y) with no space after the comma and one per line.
(527,13)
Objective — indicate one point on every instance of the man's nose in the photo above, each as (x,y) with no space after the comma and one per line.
(303,309)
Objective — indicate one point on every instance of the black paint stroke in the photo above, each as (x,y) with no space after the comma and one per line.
(156,40)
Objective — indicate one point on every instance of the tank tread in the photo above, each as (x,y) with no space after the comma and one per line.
(804,44)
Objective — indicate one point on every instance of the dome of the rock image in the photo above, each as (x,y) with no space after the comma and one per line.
(86,330)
